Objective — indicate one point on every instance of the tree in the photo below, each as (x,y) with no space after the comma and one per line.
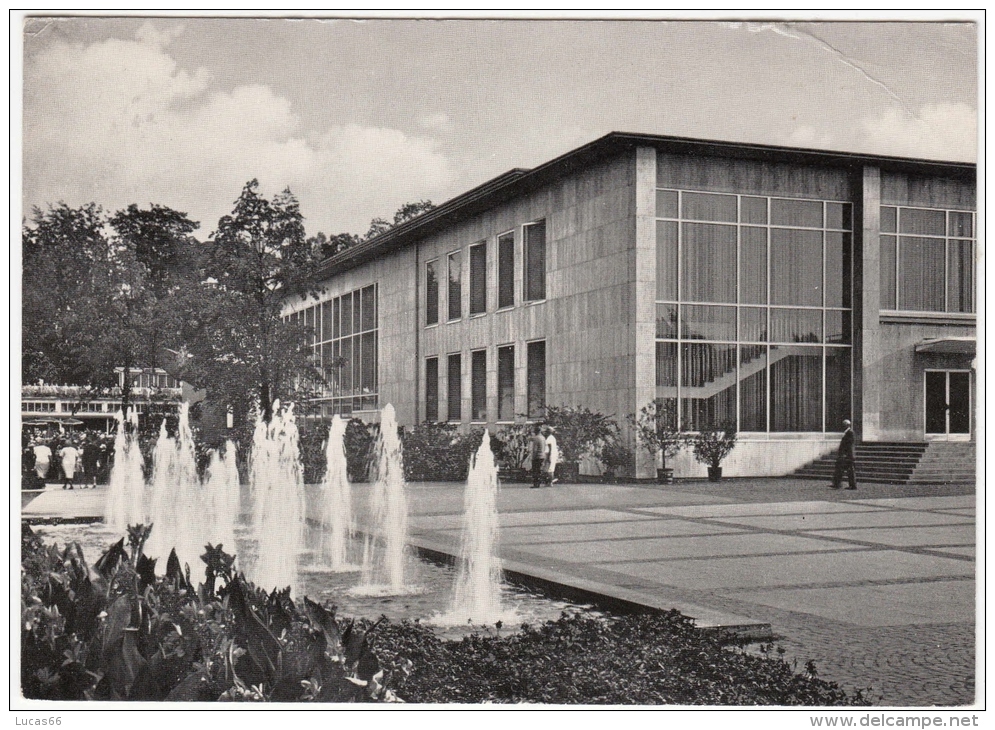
(161,241)
(412,210)
(657,429)
(240,346)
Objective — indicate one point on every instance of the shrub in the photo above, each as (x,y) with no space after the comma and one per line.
(579,430)
(651,659)
(359,440)
(437,452)
(657,430)
(713,443)
(617,458)
(511,446)
(126,634)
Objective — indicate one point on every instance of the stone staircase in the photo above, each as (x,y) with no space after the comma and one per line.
(947,462)
(902,462)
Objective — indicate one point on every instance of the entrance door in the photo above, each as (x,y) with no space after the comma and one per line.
(948,405)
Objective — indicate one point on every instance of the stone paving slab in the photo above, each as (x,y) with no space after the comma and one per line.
(766,508)
(66,504)
(941,502)
(887,605)
(851,566)
(969,552)
(668,549)
(551,517)
(890,518)
(608,531)
(941,535)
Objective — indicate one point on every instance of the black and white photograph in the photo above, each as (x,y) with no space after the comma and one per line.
(532,362)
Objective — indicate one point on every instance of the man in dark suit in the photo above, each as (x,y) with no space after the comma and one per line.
(846,457)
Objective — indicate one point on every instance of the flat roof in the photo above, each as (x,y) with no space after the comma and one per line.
(520,181)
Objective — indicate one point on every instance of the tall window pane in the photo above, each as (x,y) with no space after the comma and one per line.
(753,265)
(336,314)
(753,388)
(666,260)
(666,203)
(666,321)
(708,385)
(796,267)
(346,369)
(506,270)
(921,274)
(506,383)
(837,269)
(432,389)
(454,388)
(536,378)
(369,308)
(478,278)
(960,288)
(347,314)
(888,262)
(478,385)
(535,261)
(455,285)
(431,294)
(708,263)
(837,387)
(326,321)
(368,375)
(795,388)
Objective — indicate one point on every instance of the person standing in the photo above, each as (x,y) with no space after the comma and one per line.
(552,456)
(91,460)
(43,457)
(846,459)
(70,458)
(537,447)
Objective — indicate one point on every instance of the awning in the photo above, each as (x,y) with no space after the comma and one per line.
(949,345)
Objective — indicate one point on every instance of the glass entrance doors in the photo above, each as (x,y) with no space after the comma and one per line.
(948,405)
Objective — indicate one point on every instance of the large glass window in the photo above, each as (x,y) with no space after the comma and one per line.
(478,385)
(455,285)
(927,260)
(506,383)
(506,270)
(536,378)
(753,311)
(432,389)
(431,293)
(346,328)
(454,388)
(478,278)
(535,261)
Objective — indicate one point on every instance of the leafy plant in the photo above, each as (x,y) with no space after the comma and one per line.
(438,452)
(122,633)
(579,430)
(713,443)
(616,457)
(512,449)
(657,429)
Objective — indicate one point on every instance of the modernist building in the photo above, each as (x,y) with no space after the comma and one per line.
(783,289)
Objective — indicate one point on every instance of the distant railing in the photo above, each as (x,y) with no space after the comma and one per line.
(77,391)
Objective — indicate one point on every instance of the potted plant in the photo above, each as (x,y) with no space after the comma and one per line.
(711,445)
(616,457)
(657,431)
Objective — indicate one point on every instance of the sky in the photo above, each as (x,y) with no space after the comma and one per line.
(358,117)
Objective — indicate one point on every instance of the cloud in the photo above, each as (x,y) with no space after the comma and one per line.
(118,122)
(808,136)
(939,131)
(440,121)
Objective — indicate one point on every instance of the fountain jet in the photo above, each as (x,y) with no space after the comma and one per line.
(383,551)
(276,484)
(477,590)
(336,495)
(125,504)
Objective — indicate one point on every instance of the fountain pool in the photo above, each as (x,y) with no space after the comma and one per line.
(434,583)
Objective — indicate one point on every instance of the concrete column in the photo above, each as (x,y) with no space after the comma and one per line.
(643,273)
(867,375)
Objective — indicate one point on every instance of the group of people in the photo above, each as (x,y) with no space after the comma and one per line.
(545,455)
(66,457)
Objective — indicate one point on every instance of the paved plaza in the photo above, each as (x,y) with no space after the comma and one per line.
(876,587)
